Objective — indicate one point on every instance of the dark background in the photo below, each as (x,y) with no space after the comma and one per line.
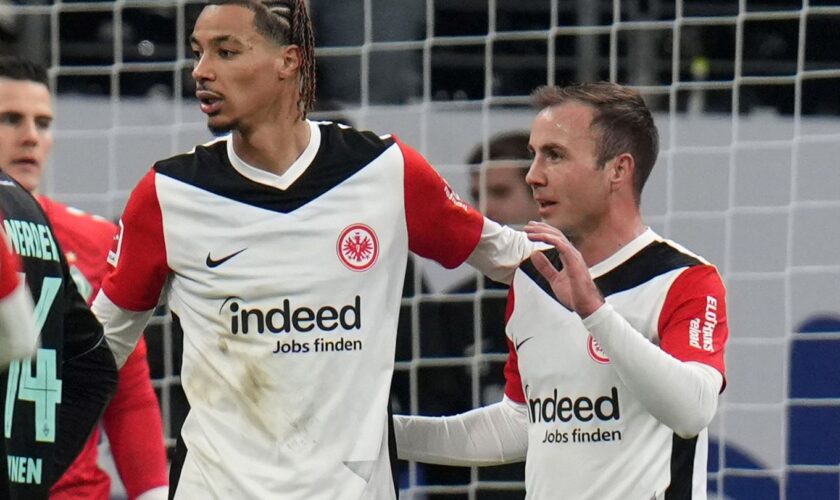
(138,51)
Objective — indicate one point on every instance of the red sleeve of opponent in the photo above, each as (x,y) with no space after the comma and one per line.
(440,225)
(135,431)
(693,325)
(139,252)
(513,381)
(9,267)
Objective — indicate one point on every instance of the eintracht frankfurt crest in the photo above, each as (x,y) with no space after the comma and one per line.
(595,351)
(358,247)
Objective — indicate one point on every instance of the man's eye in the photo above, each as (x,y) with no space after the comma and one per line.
(9,119)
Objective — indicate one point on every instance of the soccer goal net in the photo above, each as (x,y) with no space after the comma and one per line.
(746,95)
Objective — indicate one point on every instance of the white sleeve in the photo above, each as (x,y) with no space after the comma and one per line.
(159,493)
(681,395)
(122,327)
(491,435)
(500,251)
(18,336)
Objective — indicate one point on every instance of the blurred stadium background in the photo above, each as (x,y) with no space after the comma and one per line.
(747,99)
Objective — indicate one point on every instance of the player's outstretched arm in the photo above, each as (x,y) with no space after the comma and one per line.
(491,435)
(444,228)
(500,251)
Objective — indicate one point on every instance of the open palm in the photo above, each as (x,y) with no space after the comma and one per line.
(572,285)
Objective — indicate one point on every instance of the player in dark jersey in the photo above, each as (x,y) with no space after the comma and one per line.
(52,401)
(616,360)
(132,420)
(18,338)
(281,249)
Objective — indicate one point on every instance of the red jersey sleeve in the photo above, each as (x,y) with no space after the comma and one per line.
(133,424)
(9,267)
(138,255)
(513,381)
(441,226)
(693,325)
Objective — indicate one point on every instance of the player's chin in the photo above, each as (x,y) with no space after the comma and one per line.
(28,177)
(219,126)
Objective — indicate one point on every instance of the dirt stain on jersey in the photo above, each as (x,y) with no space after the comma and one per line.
(222,344)
(253,386)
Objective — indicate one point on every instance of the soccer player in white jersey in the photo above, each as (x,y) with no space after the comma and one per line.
(616,336)
(281,249)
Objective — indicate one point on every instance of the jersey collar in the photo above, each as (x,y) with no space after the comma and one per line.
(289,176)
(627,251)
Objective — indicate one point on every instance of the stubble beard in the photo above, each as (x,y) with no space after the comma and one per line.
(220,129)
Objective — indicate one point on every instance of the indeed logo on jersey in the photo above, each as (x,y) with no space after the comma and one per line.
(288,319)
(565,409)
(704,330)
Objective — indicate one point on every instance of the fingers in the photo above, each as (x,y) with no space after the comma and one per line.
(542,232)
(544,266)
(569,255)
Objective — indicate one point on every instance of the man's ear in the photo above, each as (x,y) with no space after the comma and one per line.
(623,168)
(287,63)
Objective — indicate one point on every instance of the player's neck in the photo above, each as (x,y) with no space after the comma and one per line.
(261,148)
(609,237)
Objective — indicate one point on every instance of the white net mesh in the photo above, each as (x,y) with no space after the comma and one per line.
(747,98)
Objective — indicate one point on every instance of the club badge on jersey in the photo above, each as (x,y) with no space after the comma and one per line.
(358,247)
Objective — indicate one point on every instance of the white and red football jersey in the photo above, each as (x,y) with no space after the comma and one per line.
(287,289)
(588,436)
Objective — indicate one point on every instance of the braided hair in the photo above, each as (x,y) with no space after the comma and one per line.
(287,22)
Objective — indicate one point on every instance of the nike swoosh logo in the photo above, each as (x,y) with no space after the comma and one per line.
(211,262)
(520,344)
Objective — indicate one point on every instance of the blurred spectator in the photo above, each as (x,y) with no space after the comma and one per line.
(455,328)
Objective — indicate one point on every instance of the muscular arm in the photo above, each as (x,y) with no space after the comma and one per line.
(491,435)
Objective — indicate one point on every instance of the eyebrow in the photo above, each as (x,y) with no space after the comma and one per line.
(218,40)
(21,114)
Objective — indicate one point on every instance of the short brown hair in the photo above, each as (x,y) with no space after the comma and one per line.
(286,22)
(622,120)
(15,68)
(503,146)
